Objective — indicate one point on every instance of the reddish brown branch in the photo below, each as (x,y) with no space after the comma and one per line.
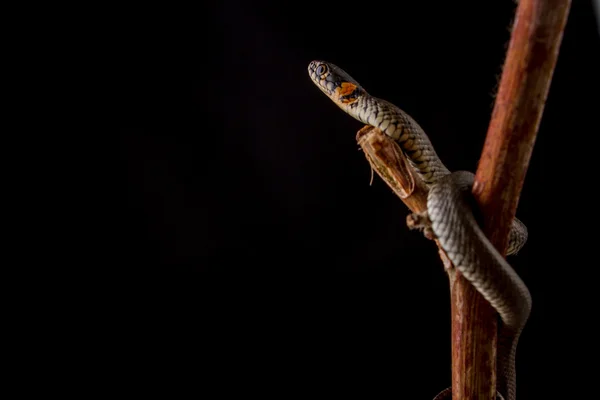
(389,162)
(524,85)
(526,77)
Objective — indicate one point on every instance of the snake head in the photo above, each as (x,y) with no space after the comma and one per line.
(335,83)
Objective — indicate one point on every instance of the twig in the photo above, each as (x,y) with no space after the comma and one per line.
(526,77)
(388,160)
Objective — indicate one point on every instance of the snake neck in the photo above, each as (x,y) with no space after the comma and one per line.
(398,125)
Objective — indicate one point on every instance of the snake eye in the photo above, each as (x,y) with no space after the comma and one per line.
(321,69)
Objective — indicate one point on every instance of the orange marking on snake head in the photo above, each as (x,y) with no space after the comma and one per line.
(347,88)
(345,92)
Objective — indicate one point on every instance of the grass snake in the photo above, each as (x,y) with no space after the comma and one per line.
(451,214)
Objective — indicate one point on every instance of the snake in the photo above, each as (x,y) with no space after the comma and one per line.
(451,213)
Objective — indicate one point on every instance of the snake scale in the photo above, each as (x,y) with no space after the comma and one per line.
(450,215)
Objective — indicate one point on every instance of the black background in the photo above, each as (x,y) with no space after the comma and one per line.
(234,162)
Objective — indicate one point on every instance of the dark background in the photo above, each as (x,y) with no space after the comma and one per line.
(235,163)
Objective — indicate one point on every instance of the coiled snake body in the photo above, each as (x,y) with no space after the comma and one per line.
(449,208)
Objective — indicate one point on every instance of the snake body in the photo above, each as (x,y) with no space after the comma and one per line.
(450,209)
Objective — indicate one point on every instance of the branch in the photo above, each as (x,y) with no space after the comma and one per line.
(526,77)
(524,85)
(389,162)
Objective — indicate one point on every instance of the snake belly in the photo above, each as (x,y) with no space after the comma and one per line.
(450,209)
